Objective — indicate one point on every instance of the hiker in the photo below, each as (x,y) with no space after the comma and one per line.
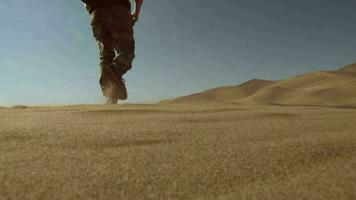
(112,24)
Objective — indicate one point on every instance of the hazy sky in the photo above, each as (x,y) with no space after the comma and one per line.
(48,55)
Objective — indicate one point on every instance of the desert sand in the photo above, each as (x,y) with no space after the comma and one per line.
(167,151)
(327,88)
(288,139)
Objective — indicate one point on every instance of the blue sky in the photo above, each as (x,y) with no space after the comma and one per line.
(48,55)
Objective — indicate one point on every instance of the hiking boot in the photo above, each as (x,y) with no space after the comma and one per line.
(120,87)
(122,92)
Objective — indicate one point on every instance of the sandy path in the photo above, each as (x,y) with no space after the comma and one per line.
(156,152)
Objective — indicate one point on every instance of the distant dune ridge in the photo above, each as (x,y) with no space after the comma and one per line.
(325,88)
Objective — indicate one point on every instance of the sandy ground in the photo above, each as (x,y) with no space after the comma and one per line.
(178,152)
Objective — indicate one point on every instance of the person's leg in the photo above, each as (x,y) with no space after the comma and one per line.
(107,81)
(118,67)
(122,39)
(125,48)
(107,54)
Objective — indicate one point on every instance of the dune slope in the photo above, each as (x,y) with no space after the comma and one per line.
(326,88)
(223,94)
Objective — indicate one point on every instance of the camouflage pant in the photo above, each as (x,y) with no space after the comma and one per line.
(112,29)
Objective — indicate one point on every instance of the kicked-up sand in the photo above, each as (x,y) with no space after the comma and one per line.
(178,152)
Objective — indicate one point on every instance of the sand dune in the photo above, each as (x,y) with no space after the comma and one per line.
(333,88)
(221,151)
(349,70)
(223,94)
